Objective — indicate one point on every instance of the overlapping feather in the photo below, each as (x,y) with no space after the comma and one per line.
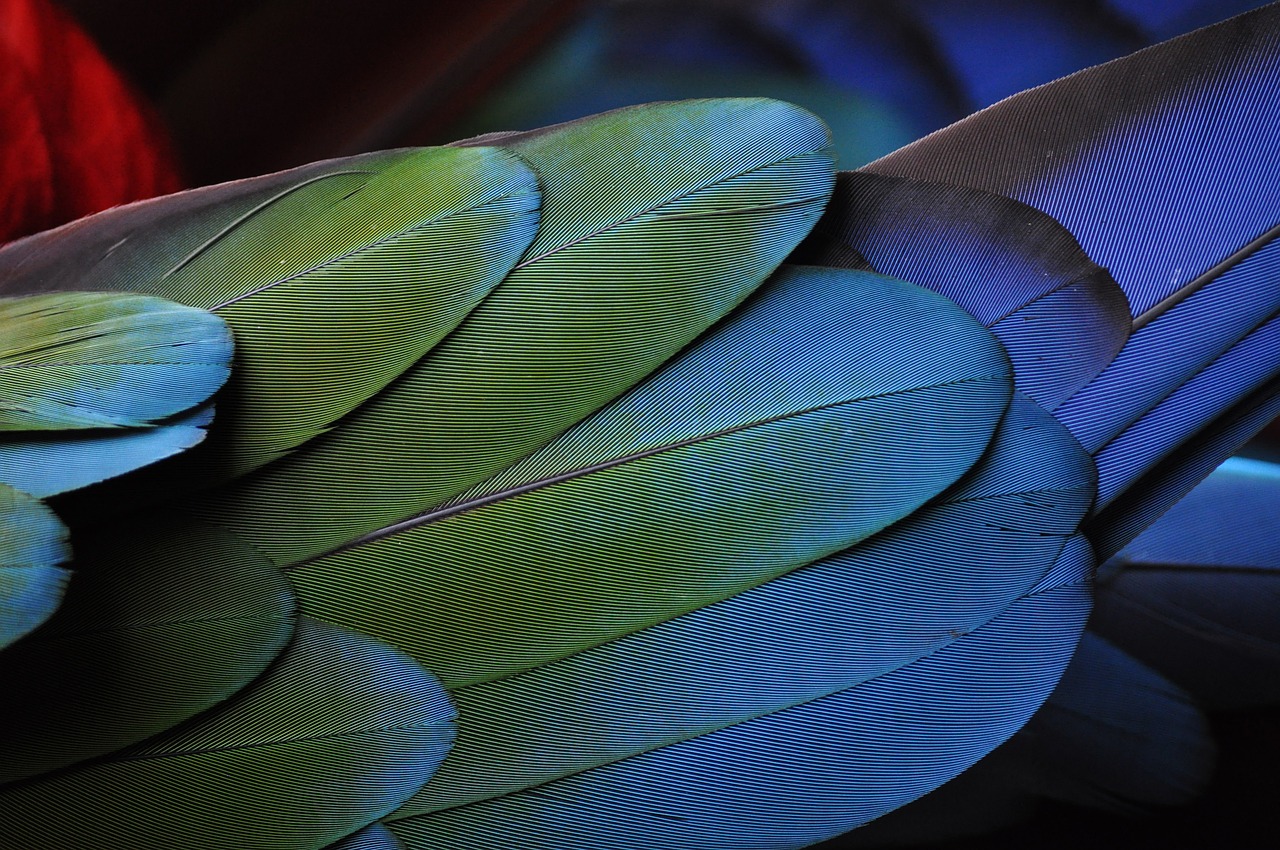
(1060,317)
(1114,734)
(84,371)
(341,731)
(1196,595)
(641,248)
(567,578)
(406,241)
(1168,141)
(846,375)
(160,623)
(33,545)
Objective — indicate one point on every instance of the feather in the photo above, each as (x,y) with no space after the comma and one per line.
(689,468)
(32,545)
(1195,595)
(96,360)
(1176,475)
(811,633)
(588,565)
(1114,734)
(160,623)
(48,465)
(793,777)
(372,837)
(406,242)
(90,383)
(1159,140)
(641,247)
(340,733)
(1229,380)
(1060,317)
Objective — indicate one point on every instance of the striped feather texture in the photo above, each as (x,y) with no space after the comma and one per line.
(97,360)
(1196,595)
(33,545)
(644,599)
(45,465)
(160,623)
(372,837)
(1175,476)
(903,594)
(341,732)
(1169,141)
(642,246)
(757,451)
(1060,317)
(335,277)
(1114,734)
(793,777)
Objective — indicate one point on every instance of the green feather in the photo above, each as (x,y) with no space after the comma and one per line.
(905,593)
(32,544)
(334,277)
(643,245)
(158,625)
(99,360)
(339,732)
(722,471)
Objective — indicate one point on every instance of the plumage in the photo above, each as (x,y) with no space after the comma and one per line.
(620,276)
(705,553)
(408,241)
(340,710)
(1195,595)
(832,626)
(139,646)
(46,466)
(1157,146)
(33,545)
(797,776)
(93,385)
(1060,317)
(373,837)
(92,360)
(686,466)
(1114,734)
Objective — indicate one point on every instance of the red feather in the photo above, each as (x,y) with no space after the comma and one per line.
(74,138)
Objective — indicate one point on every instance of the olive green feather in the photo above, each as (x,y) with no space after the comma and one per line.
(161,622)
(334,277)
(656,220)
(341,731)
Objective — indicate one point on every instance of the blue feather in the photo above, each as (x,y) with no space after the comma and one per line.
(1114,734)
(1196,595)
(793,777)
(33,545)
(1177,155)
(46,466)
(1060,317)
